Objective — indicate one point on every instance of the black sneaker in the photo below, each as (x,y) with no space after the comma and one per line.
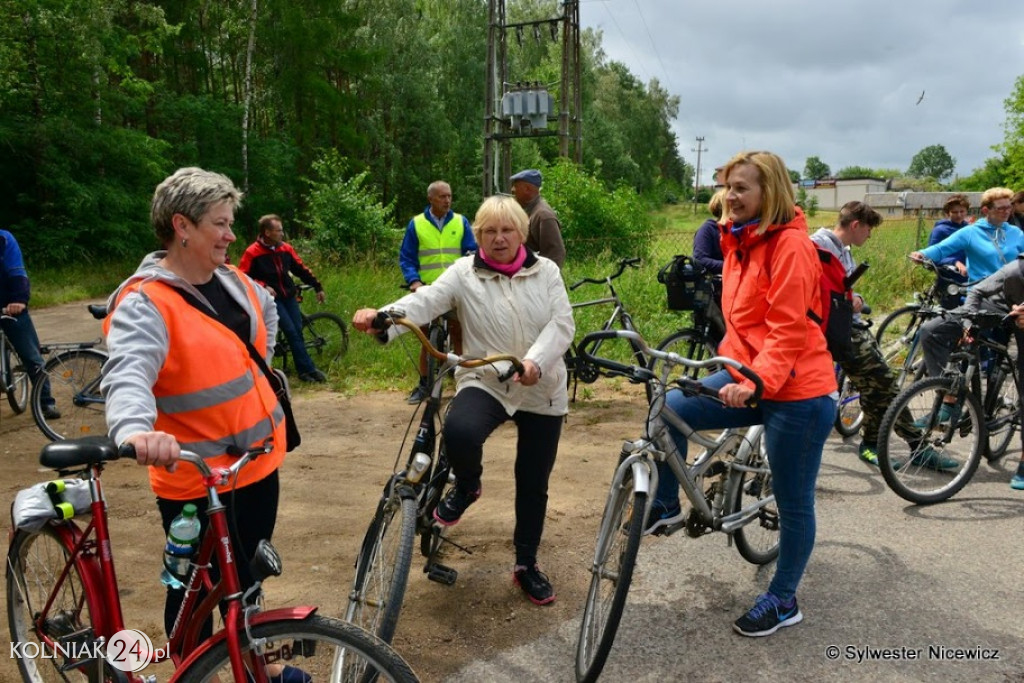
(535,584)
(662,515)
(767,616)
(450,510)
(315,376)
(418,395)
(51,413)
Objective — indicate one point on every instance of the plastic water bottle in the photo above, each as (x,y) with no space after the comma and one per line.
(182,540)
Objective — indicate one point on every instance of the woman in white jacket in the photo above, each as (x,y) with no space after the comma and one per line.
(508,300)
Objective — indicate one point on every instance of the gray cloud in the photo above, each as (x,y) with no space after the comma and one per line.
(839,81)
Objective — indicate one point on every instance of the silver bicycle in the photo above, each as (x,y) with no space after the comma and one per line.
(728,486)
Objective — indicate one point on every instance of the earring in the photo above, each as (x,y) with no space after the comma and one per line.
(184,242)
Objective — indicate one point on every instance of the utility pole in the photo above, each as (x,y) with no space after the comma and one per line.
(696,179)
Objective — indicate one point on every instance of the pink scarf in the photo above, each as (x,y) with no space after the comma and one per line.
(508,269)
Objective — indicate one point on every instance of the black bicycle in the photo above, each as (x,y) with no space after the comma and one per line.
(13,374)
(587,373)
(406,506)
(324,334)
(971,410)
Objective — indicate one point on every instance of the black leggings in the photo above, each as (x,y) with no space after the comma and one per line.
(251,516)
(473,415)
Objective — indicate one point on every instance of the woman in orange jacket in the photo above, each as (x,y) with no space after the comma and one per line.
(771,286)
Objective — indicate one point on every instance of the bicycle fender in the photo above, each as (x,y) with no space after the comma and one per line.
(299,613)
(641,477)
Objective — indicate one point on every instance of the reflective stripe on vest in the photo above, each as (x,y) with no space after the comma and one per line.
(438,249)
(210,394)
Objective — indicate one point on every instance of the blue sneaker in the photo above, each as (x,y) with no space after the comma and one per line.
(1017,482)
(930,458)
(662,515)
(767,616)
(945,415)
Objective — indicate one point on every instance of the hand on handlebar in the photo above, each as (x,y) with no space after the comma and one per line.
(158,449)
(735,395)
(530,375)
(363,320)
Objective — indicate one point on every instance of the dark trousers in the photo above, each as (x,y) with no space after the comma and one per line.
(251,516)
(289,319)
(473,415)
(21,334)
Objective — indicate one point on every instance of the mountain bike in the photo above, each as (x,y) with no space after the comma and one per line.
(406,507)
(728,486)
(579,372)
(325,335)
(897,333)
(62,595)
(13,375)
(981,379)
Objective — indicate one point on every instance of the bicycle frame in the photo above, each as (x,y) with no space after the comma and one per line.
(91,557)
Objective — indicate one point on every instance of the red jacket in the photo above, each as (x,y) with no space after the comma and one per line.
(271,266)
(766,305)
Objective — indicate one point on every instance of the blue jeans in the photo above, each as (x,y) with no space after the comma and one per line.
(21,334)
(794,433)
(289,318)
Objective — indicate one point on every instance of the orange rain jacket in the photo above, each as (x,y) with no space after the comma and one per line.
(766,305)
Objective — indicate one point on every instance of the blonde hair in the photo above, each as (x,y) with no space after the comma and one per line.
(190,191)
(716,205)
(499,209)
(778,204)
(993,194)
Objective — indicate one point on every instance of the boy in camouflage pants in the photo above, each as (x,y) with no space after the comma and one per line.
(866,367)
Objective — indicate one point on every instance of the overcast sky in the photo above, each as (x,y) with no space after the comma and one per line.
(836,80)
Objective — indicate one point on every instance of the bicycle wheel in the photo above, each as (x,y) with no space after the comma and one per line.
(688,343)
(15,381)
(618,542)
(897,339)
(74,381)
(382,568)
(324,649)
(1002,409)
(35,561)
(849,416)
(758,540)
(945,458)
(326,338)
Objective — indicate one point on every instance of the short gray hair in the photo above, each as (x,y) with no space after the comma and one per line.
(190,191)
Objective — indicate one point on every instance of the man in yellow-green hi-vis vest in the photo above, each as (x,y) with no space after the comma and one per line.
(433,241)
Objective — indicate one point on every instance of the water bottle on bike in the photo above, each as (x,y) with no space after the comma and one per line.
(182,540)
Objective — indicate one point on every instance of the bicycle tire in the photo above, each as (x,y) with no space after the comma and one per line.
(850,416)
(324,648)
(34,561)
(382,568)
(758,540)
(897,339)
(1002,414)
(618,542)
(690,343)
(74,380)
(15,381)
(908,468)
(326,337)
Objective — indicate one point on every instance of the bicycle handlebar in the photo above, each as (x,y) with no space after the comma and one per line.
(385,319)
(127,450)
(928,264)
(631,262)
(644,374)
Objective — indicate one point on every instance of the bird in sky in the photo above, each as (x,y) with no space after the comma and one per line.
(920,98)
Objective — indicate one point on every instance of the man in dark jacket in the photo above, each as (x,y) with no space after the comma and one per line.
(955,208)
(545,231)
(270,261)
(16,322)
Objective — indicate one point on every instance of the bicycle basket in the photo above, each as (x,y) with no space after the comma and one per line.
(685,283)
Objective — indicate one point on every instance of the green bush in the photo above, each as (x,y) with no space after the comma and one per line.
(600,222)
(344,217)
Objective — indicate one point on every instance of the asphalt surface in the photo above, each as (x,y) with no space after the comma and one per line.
(893,592)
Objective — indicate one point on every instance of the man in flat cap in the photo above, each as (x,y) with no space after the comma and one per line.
(545,232)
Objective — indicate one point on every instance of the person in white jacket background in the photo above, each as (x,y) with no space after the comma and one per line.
(509,301)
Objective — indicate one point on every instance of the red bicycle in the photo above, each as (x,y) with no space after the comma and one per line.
(62,599)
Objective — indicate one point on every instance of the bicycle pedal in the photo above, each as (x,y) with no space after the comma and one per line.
(441,574)
(669,529)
